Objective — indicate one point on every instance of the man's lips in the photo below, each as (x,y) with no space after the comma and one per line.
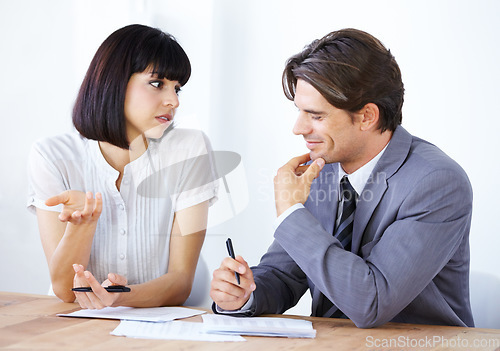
(311,144)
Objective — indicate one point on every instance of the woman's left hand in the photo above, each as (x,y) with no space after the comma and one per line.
(99,297)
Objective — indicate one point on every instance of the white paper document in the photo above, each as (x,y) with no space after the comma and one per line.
(258,326)
(152,314)
(175,330)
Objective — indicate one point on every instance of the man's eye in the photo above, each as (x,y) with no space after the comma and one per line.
(156,84)
(317,118)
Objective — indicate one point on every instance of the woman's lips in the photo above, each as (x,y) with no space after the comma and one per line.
(164,119)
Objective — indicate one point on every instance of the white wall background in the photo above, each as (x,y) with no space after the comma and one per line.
(447,50)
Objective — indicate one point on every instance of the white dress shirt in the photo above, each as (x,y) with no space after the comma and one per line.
(133,232)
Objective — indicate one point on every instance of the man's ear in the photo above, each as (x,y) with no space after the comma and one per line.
(371,115)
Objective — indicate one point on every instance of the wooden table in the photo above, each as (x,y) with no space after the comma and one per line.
(29,322)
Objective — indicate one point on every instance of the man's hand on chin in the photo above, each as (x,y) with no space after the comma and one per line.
(292,182)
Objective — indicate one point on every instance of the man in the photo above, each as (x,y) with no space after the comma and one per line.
(377,224)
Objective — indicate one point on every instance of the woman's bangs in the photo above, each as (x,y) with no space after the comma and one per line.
(172,63)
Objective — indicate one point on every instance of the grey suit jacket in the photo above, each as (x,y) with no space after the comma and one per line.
(409,260)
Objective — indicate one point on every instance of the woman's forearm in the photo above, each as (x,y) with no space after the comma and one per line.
(74,247)
(171,289)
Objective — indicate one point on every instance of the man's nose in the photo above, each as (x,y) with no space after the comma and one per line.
(302,125)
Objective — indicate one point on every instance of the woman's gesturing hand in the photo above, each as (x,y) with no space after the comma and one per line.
(78,207)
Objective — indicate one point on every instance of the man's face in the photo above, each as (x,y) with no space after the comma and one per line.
(329,132)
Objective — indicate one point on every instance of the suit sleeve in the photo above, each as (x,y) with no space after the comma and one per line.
(431,222)
(280,285)
(280,282)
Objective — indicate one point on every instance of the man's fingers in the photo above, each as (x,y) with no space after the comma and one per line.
(226,292)
(299,160)
(226,300)
(314,168)
(233,265)
(247,274)
(301,170)
(227,269)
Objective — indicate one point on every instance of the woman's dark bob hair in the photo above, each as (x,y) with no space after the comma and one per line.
(98,113)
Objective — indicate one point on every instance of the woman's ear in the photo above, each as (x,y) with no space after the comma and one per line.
(371,115)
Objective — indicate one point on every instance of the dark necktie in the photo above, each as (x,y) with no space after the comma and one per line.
(343,234)
(344,229)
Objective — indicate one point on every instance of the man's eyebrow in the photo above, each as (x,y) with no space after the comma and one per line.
(312,112)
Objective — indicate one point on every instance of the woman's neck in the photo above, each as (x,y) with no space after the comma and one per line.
(118,158)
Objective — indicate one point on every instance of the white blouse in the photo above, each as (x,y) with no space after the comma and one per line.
(133,232)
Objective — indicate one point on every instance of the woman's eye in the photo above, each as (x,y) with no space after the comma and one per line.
(156,84)
(178,90)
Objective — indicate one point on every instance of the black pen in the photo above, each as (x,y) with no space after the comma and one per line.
(230,250)
(111,288)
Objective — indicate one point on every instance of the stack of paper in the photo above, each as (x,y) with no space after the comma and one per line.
(258,326)
(158,323)
(174,330)
(153,314)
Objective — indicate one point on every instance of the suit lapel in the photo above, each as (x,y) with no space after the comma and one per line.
(368,201)
(323,199)
(322,203)
(375,188)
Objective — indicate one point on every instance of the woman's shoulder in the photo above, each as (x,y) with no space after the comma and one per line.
(67,145)
(185,134)
(183,139)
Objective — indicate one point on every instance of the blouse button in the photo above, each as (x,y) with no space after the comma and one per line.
(123,231)
(122,256)
(121,207)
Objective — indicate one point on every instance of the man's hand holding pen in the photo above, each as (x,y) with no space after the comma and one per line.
(225,290)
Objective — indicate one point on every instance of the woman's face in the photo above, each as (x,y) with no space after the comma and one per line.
(150,104)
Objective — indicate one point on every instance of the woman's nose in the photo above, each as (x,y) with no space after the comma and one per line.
(171,98)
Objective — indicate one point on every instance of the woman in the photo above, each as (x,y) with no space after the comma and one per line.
(153,183)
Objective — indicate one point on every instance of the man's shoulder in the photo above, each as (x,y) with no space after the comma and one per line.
(429,158)
(408,151)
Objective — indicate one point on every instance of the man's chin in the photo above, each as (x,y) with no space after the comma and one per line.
(315,155)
